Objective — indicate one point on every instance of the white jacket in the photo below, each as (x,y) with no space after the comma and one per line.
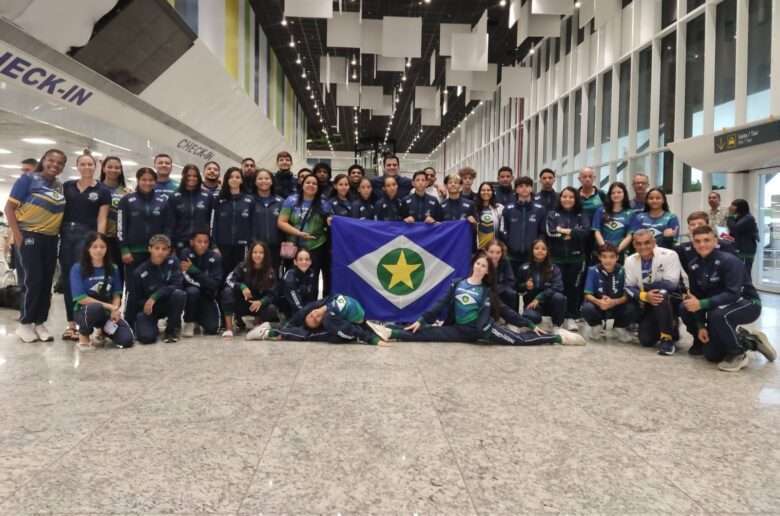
(666,268)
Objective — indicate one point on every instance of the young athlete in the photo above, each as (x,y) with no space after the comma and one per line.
(97,296)
(155,291)
(250,289)
(298,287)
(202,272)
(232,227)
(192,207)
(541,285)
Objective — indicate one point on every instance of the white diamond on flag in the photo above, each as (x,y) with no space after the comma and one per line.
(401,271)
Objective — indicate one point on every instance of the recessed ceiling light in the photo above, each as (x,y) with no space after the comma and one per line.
(5,151)
(10,167)
(16,176)
(39,141)
(130,163)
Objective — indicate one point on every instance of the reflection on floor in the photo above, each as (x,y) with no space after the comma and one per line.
(202,426)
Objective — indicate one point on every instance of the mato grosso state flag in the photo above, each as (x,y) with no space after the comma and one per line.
(397,270)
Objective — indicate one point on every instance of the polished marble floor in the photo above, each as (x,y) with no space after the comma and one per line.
(203,426)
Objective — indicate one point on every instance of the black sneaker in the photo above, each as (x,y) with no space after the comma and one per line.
(171,337)
(666,347)
(697,349)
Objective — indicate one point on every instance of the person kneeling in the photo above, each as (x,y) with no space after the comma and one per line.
(541,285)
(97,295)
(202,269)
(337,319)
(472,309)
(249,290)
(652,279)
(156,292)
(299,285)
(721,297)
(605,297)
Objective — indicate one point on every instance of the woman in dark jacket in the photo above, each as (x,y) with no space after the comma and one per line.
(388,207)
(232,220)
(541,285)
(191,206)
(567,231)
(363,206)
(265,214)
(505,277)
(299,286)
(744,230)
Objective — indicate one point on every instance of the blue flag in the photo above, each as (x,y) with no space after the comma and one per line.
(397,270)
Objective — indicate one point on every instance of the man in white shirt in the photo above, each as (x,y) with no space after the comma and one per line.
(653,282)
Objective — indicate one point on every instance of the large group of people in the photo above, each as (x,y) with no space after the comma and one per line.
(216,250)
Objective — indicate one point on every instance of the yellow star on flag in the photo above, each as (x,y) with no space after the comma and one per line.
(401,271)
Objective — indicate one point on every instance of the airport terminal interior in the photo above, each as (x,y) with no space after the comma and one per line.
(277,411)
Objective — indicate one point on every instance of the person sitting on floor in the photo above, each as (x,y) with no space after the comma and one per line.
(202,269)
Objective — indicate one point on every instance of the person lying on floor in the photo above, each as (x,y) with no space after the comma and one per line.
(337,319)
(473,308)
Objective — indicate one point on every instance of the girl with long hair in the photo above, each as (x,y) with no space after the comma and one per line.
(541,285)
(192,207)
(112,176)
(658,218)
(265,214)
(488,215)
(232,226)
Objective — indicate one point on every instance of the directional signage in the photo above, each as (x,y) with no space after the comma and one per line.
(756,135)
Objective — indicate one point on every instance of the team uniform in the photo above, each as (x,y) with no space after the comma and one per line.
(363,209)
(80,217)
(285,184)
(657,225)
(192,210)
(547,198)
(600,283)
(521,224)
(420,206)
(232,228)
(141,216)
(298,289)
(687,253)
(265,214)
(404,184)
(467,318)
(728,298)
(488,224)
(506,286)
(111,225)
(166,188)
(344,322)
(569,253)
(341,207)
(233,302)
(165,284)
(456,209)
(590,204)
(40,205)
(547,290)
(504,195)
(103,287)
(202,282)
(614,227)
(388,209)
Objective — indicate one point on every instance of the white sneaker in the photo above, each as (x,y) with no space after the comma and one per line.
(98,339)
(26,332)
(623,335)
(383,332)
(259,332)
(43,333)
(570,325)
(227,335)
(593,333)
(88,346)
(734,364)
(188,330)
(569,338)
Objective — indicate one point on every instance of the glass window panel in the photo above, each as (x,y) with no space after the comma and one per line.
(591,90)
(759,58)
(625,85)
(554,132)
(694,77)
(567,43)
(719,180)
(668,12)
(666,111)
(725,63)
(693,4)
(606,115)
(577,115)
(565,139)
(691,179)
(544,138)
(603,177)
(643,105)
(664,173)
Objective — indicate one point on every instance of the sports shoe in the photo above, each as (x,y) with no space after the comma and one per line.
(259,332)
(592,333)
(227,335)
(188,330)
(43,333)
(735,363)
(382,332)
(666,348)
(569,338)
(26,332)
(761,342)
(623,335)
(697,349)
(570,325)
(171,337)
(98,339)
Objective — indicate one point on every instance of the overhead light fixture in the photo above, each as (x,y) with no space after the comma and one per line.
(354,61)
(298,60)
(577,5)
(284,22)
(308,88)
(130,163)
(5,151)
(403,78)
(532,51)
(39,141)
(292,42)
(354,74)
(112,145)
(408,62)
(502,3)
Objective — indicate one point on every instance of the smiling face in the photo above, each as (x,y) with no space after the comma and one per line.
(200,244)
(547,179)
(453,185)
(303,260)
(342,187)
(86,167)
(112,169)
(314,318)
(53,164)
(567,200)
(211,172)
(486,192)
(654,200)
(644,243)
(235,180)
(355,175)
(586,178)
(540,251)
(495,253)
(190,179)
(704,243)
(158,253)
(480,268)
(310,186)
(146,183)
(391,167)
(617,196)
(505,178)
(257,256)
(365,189)
(97,251)
(163,165)
(390,188)
(263,182)
(284,163)
(640,184)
